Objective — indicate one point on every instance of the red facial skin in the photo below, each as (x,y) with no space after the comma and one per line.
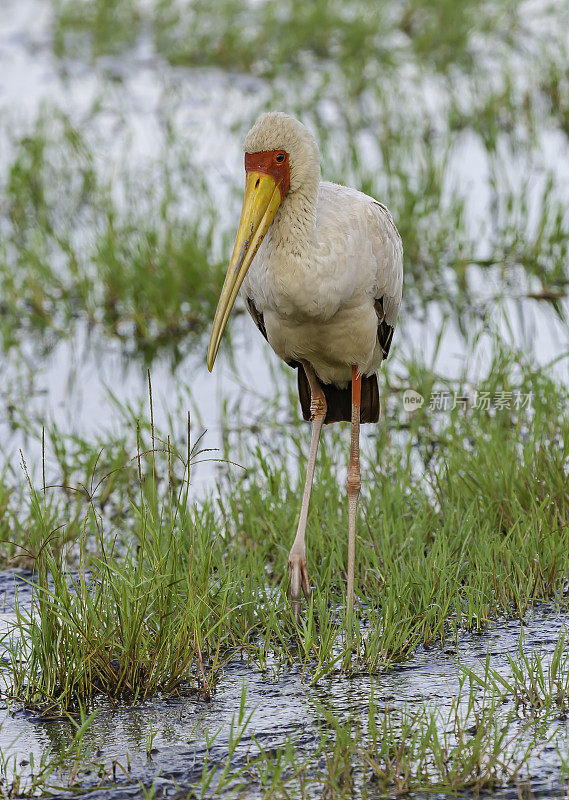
(266,162)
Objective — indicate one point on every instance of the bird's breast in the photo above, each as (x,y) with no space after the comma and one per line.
(293,285)
(332,346)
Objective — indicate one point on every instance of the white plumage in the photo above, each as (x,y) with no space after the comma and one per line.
(329,254)
(321,270)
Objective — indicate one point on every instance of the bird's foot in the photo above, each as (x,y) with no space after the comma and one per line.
(299,582)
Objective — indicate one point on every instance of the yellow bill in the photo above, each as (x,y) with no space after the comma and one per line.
(260,204)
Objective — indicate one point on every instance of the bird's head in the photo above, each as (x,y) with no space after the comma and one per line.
(281,158)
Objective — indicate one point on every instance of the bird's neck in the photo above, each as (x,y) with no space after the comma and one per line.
(294,228)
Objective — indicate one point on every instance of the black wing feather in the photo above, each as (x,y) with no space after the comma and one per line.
(384,331)
(257,317)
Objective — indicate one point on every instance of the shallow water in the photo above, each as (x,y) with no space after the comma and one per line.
(282,705)
(74,382)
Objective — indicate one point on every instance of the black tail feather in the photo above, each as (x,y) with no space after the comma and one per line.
(339,401)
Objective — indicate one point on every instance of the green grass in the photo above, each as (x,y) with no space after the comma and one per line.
(463,519)
(416,750)
(445,543)
(287,36)
(105,26)
(143,605)
(537,683)
(55,770)
(141,253)
(472,745)
(137,266)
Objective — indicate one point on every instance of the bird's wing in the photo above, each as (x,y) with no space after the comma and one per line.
(384,331)
(257,316)
(259,321)
(388,253)
(374,252)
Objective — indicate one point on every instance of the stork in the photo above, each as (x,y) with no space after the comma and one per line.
(320,267)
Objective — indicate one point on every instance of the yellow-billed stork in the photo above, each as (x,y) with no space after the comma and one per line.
(320,267)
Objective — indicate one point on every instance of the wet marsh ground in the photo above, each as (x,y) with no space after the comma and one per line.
(147,646)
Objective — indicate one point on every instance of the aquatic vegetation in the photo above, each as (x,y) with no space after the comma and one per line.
(455,115)
(137,615)
(289,36)
(108,26)
(424,750)
(466,519)
(139,251)
(472,745)
(167,591)
(139,266)
(26,777)
(537,683)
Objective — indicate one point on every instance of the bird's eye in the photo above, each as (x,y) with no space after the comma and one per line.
(279,158)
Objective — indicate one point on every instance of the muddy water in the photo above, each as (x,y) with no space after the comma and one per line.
(282,706)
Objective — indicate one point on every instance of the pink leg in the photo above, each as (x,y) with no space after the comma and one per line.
(297,556)
(353,484)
